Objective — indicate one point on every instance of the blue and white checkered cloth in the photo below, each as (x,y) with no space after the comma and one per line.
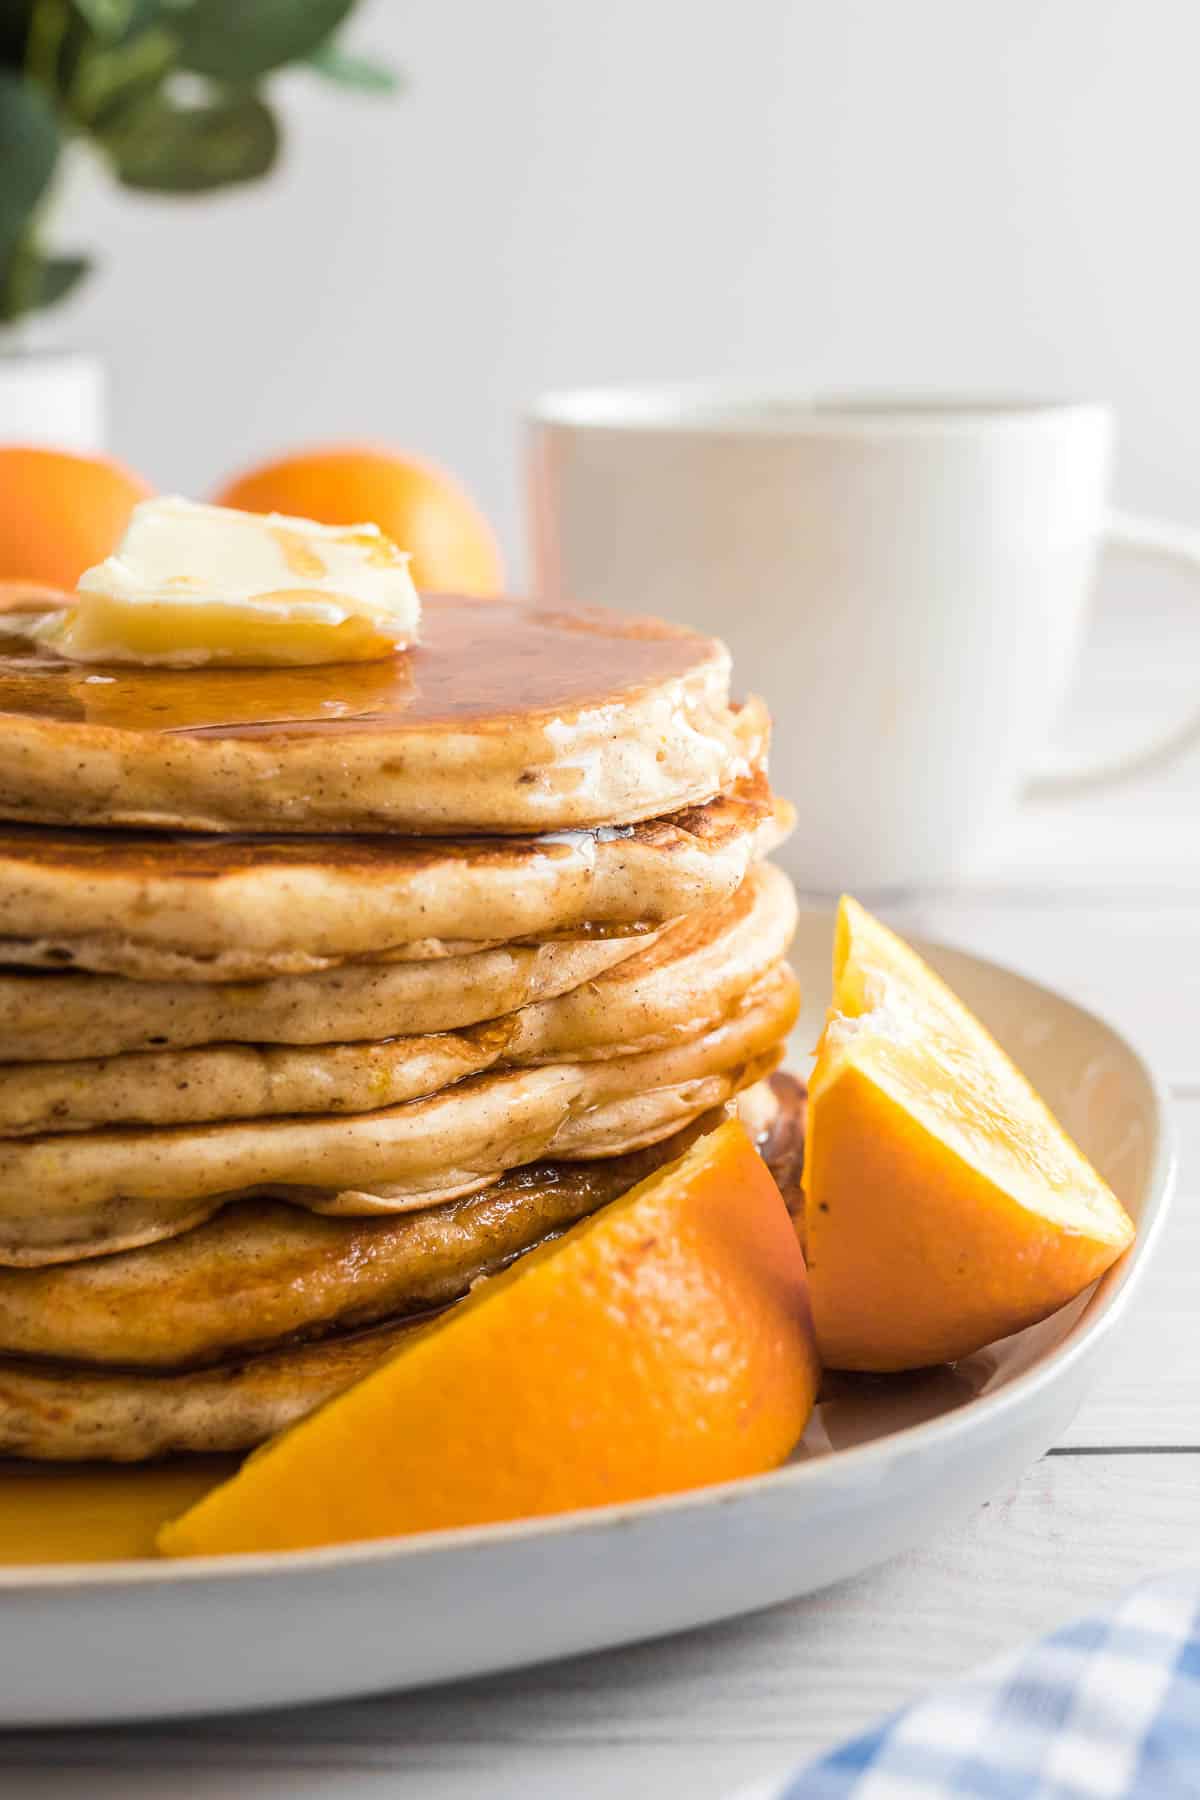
(1106,1708)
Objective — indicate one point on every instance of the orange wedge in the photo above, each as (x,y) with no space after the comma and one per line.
(662,1344)
(945,1206)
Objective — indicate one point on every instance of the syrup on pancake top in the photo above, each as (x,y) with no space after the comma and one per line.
(501,718)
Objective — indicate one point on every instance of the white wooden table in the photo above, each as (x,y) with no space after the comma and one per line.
(1099,897)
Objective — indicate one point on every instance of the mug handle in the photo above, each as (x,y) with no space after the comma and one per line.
(1062,771)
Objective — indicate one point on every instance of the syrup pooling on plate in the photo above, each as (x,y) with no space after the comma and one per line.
(480,661)
(89,1513)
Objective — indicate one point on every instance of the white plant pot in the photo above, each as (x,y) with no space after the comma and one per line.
(53,397)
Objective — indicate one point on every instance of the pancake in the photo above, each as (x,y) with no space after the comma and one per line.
(93,1193)
(126,959)
(695,974)
(263,1271)
(504,719)
(54,1018)
(60,1414)
(226,909)
(59,1411)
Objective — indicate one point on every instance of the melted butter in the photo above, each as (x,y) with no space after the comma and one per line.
(91,1512)
(277,632)
(301,558)
(482,662)
(191,585)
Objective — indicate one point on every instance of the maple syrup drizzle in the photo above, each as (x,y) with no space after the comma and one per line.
(93,1512)
(482,662)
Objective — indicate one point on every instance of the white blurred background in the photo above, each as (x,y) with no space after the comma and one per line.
(992,195)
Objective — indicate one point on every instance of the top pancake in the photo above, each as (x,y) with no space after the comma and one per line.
(505,719)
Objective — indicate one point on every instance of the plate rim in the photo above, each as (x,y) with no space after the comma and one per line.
(1116,1287)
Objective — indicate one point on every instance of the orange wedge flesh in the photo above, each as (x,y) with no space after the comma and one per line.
(945,1207)
(662,1344)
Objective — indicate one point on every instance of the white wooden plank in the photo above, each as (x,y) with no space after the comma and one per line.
(699,1714)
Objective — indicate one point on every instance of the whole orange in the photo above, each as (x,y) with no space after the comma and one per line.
(420,507)
(61,512)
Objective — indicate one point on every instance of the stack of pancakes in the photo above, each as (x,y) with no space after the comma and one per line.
(326,992)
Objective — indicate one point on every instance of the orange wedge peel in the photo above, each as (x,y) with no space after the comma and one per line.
(660,1345)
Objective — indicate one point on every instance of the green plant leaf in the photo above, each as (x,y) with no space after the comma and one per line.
(40,281)
(168,149)
(112,80)
(109,19)
(29,146)
(241,40)
(349,70)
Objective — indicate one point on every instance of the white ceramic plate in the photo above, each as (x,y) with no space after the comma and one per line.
(884,1464)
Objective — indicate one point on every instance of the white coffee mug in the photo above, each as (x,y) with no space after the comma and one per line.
(904,581)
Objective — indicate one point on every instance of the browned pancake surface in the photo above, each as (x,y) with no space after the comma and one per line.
(231,908)
(57,1411)
(505,718)
(264,1271)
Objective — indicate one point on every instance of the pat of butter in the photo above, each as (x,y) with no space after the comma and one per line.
(192,584)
